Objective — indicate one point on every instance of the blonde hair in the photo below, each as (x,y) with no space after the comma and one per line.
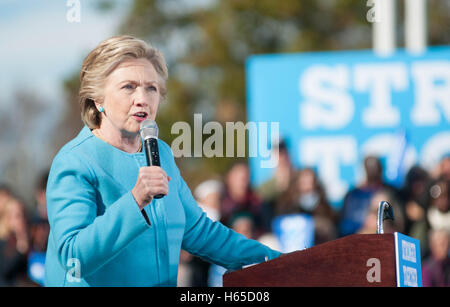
(102,61)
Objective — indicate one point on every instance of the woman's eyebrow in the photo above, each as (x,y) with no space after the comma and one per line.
(137,82)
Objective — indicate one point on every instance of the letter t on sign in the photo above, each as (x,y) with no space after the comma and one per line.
(374,274)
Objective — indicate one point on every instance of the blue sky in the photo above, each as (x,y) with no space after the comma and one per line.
(39,47)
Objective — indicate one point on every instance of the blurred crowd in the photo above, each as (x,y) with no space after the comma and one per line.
(421,210)
(23,237)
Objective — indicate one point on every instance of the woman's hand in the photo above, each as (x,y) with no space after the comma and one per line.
(151,181)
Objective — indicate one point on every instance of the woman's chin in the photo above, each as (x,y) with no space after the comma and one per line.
(135,125)
(131,131)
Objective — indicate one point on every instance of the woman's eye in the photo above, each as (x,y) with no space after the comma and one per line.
(152,88)
(128,86)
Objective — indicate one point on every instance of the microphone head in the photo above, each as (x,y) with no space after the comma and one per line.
(149,129)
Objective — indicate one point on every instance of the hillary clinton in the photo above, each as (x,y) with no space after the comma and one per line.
(107,229)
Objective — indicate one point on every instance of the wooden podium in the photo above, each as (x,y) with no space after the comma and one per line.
(355,260)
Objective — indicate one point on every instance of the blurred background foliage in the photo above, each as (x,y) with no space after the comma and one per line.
(206,46)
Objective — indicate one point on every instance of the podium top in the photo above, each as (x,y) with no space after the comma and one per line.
(355,260)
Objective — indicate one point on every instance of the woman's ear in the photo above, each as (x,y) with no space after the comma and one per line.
(99,107)
(99,104)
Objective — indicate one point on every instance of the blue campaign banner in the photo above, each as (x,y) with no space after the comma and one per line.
(408,264)
(334,108)
(294,231)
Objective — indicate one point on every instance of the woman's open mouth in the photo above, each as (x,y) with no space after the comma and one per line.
(140,116)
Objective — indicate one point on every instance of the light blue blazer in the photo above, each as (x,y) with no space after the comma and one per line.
(99,237)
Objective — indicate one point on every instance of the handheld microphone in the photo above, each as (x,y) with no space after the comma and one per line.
(149,135)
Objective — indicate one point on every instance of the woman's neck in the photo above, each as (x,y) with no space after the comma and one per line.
(128,142)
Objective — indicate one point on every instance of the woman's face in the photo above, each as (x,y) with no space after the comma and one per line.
(237,180)
(15,217)
(306,181)
(131,95)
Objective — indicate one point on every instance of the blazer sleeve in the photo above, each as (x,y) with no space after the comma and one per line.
(215,242)
(76,229)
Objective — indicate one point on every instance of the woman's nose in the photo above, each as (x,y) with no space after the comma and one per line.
(141,98)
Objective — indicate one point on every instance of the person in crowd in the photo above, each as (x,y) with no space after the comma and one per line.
(390,226)
(438,214)
(186,270)
(357,200)
(14,243)
(106,226)
(39,232)
(208,195)
(436,267)
(5,193)
(412,197)
(274,188)
(242,222)
(193,271)
(306,195)
(40,196)
(270,239)
(239,196)
(435,215)
(442,171)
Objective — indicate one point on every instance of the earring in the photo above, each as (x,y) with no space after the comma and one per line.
(100,109)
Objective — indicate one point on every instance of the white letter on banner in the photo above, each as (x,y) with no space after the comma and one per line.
(426,74)
(328,153)
(378,78)
(327,103)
